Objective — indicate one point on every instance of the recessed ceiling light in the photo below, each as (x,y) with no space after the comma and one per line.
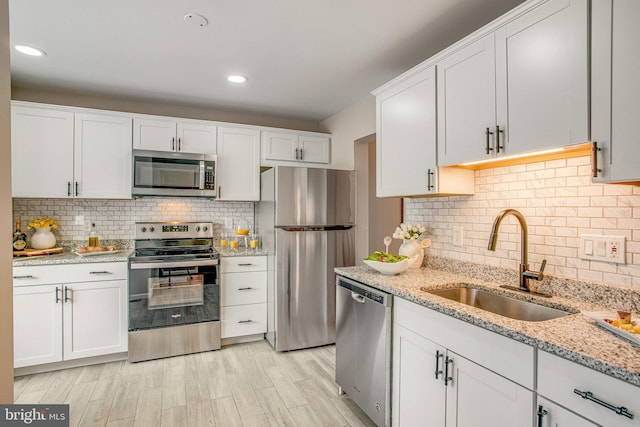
(237,79)
(29,50)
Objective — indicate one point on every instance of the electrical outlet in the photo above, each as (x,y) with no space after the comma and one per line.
(458,235)
(79,220)
(603,248)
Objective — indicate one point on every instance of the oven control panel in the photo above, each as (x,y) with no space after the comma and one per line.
(173,230)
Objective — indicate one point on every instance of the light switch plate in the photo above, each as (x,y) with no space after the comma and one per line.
(458,235)
(603,248)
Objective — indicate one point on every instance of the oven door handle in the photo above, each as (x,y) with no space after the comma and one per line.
(174,264)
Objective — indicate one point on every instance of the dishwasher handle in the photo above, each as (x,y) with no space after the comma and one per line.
(357,297)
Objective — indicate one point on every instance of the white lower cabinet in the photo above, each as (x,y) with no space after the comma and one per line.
(82,316)
(601,399)
(450,373)
(550,414)
(243,296)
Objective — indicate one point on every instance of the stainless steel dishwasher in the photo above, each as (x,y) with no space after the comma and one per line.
(363,347)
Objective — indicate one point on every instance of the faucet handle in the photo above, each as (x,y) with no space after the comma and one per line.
(537,275)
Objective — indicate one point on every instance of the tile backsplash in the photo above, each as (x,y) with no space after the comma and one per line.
(559,203)
(115,219)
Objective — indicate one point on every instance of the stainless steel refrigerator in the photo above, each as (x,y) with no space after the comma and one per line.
(305,219)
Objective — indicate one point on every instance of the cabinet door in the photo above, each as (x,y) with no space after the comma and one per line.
(240,320)
(238,164)
(406,136)
(37,325)
(41,152)
(549,414)
(243,288)
(479,397)
(466,103)
(196,138)
(417,395)
(154,134)
(102,167)
(95,318)
(542,77)
(615,65)
(314,149)
(279,145)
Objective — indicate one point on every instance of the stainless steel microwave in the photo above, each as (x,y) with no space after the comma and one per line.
(158,173)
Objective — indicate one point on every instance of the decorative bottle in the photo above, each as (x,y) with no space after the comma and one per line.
(93,235)
(19,238)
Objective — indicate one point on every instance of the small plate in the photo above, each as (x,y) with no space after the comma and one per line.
(599,317)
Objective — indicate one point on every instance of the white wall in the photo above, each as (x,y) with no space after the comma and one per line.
(559,203)
(354,122)
(6,281)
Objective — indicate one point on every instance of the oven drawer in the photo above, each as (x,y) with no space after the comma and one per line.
(242,320)
(243,288)
(243,263)
(69,273)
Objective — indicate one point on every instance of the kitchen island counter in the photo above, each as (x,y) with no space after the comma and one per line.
(574,337)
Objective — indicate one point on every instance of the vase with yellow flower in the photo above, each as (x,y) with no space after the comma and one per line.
(43,237)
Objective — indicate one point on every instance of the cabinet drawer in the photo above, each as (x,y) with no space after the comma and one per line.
(504,356)
(243,320)
(558,378)
(243,288)
(243,263)
(69,273)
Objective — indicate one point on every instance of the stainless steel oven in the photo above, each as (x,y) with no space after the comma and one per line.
(157,173)
(174,303)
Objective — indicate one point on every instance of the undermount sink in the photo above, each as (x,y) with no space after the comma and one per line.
(499,304)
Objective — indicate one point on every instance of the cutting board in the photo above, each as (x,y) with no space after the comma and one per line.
(35,252)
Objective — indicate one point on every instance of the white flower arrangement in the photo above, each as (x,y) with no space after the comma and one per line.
(409,231)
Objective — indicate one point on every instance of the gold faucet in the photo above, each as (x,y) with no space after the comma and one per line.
(524,273)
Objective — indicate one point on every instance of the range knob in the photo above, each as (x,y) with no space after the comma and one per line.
(197,228)
(205,228)
(143,229)
(152,229)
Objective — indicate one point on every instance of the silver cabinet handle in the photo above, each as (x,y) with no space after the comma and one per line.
(173,144)
(297,154)
(447,377)
(429,175)
(301,154)
(76,188)
(438,357)
(245,289)
(246,264)
(29,276)
(620,410)
(498,132)
(488,147)
(57,294)
(66,294)
(179,144)
(594,159)
(100,272)
(245,321)
(68,188)
(541,413)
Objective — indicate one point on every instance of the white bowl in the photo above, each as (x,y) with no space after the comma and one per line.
(389,268)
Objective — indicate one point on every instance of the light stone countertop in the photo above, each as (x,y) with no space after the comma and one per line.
(574,337)
(69,257)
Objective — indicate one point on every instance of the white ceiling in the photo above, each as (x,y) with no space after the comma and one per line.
(305,59)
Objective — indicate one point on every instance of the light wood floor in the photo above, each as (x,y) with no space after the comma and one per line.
(240,385)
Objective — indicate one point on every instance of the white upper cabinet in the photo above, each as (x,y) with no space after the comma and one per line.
(102,167)
(167,134)
(615,89)
(519,88)
(467,103)
(41,152)
(542,73)
(297,147)
(238,164)
(406,140)
(58,153)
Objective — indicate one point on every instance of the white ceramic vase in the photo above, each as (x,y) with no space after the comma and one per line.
(43,238)
(408,248)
